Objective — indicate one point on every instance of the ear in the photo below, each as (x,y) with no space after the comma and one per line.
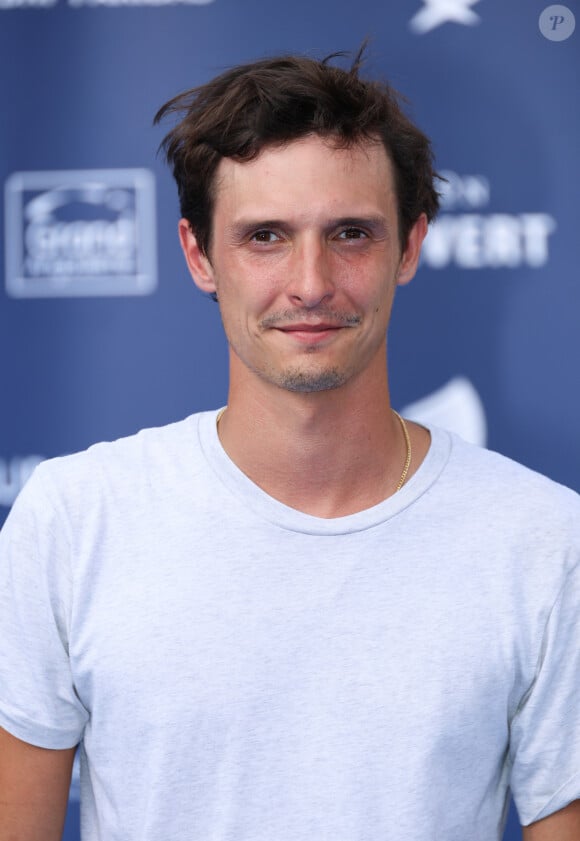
(198,264)
(412,252)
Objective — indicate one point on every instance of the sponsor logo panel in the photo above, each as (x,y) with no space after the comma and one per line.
(80,233)
(465,235)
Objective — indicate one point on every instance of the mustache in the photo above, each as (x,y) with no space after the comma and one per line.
(331,317)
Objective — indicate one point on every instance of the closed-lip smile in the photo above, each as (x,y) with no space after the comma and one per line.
(307,327)
(309,333)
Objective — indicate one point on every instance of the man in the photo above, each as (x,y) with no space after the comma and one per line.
(301,617)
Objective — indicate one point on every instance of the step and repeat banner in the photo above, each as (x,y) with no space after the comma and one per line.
(101,330)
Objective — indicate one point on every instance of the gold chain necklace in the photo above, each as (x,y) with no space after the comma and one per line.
(409,452)
(407,443)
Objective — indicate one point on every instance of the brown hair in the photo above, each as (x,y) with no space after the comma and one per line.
(277,100)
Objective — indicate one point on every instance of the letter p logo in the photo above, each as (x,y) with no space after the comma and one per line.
(557,23)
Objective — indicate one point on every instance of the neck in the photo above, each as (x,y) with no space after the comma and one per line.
(328,454)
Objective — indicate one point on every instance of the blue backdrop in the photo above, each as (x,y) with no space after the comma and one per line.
(101,330)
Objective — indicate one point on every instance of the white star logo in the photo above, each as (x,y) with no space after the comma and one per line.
(436,12)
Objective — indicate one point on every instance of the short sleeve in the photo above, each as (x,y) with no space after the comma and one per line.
(545,732)
(38,703)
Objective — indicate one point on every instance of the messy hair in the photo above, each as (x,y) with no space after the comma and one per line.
(277,100)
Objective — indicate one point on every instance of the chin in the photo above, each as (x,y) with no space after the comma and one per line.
(306,382)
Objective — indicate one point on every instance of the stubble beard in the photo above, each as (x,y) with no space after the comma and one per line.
(307,382)
(297,379)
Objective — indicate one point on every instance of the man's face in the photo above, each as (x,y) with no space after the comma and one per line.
(305,258)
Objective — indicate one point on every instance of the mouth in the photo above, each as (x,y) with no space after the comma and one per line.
(309,327)
(310,333)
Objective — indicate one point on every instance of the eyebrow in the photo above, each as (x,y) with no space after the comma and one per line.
(243,227)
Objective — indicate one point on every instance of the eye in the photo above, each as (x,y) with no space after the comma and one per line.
(265,236)
(352,233)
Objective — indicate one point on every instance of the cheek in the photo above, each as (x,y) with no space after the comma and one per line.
(371,295)
(369,275)
(241,309)
(249,295)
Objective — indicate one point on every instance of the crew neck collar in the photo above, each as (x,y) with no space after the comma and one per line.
(276,512)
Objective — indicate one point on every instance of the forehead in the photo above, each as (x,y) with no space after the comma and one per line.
(306,172)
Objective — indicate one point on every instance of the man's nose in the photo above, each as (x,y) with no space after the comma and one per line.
(310,279)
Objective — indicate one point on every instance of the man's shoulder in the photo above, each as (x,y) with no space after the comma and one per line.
(512,486)
(129,460)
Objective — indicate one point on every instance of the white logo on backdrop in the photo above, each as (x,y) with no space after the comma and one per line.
(78,233)
(456,406)
(474,239)
(436,12)
(13,476)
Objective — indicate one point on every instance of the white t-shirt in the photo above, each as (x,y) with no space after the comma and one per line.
(236,670)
